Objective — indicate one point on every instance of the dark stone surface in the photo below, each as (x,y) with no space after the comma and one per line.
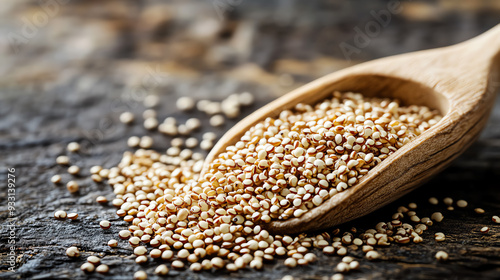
(70,79)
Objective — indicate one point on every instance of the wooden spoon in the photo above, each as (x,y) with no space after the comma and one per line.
(457,80)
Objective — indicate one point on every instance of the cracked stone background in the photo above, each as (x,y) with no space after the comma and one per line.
(69,68)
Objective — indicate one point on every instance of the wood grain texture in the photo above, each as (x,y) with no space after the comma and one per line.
(454,80)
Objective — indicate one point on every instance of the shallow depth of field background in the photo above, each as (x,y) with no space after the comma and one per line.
(68,68)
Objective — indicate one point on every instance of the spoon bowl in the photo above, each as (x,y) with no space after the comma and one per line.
(458,81)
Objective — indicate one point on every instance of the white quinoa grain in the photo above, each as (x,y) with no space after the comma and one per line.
(191,142)
(206,145)
(291,262)
(209,136)
(103,269)
(441,256)
(161,270)
(146,142)
(462,203)
(72,252)
(87,267)
(141,259)
(185,103)
(140,275)
(246,98)
(124,234)
(178,265)
(56,179)
(94,260)
(337,276)
(133,141)
(104,224)
(73,147)
(372,255)
(433,201)
(60,215)
(127,117)
(342,267)
(150,123)
(62,160)
(437,216)
(448,201)
(73,170)
(479,210)
(72,216)
(193,124)
(177,142)
(217,120)
(149,113)
(112,243)
(101,199)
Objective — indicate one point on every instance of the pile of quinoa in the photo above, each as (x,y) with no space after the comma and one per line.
(281,168)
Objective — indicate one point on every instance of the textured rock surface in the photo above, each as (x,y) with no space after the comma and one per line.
(68,77)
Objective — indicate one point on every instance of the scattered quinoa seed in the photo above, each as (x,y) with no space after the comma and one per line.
(73,170)
(104,224)
(372,255)
(62,160)
(124,234)
(462,203)
(193,124)
(441,256)
(479,211)
(127,117)
(217,120)
(140,275)
(149,113)
(191,142)
(245,99)
(87,267)
(133,141)
(112,243)
(72,186)
(337,276)
(178,265)
(72,216)
(103,269)
(60,215)
(101,199)
(150,123)
(56,179)
(496,219)
(94,260)
(485,229)
(439,236)
(185,103)
(448,201)
(146,142)
(141,259)
(73,147)
(433,201)
(437,216)
(72,252)
(161,270)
